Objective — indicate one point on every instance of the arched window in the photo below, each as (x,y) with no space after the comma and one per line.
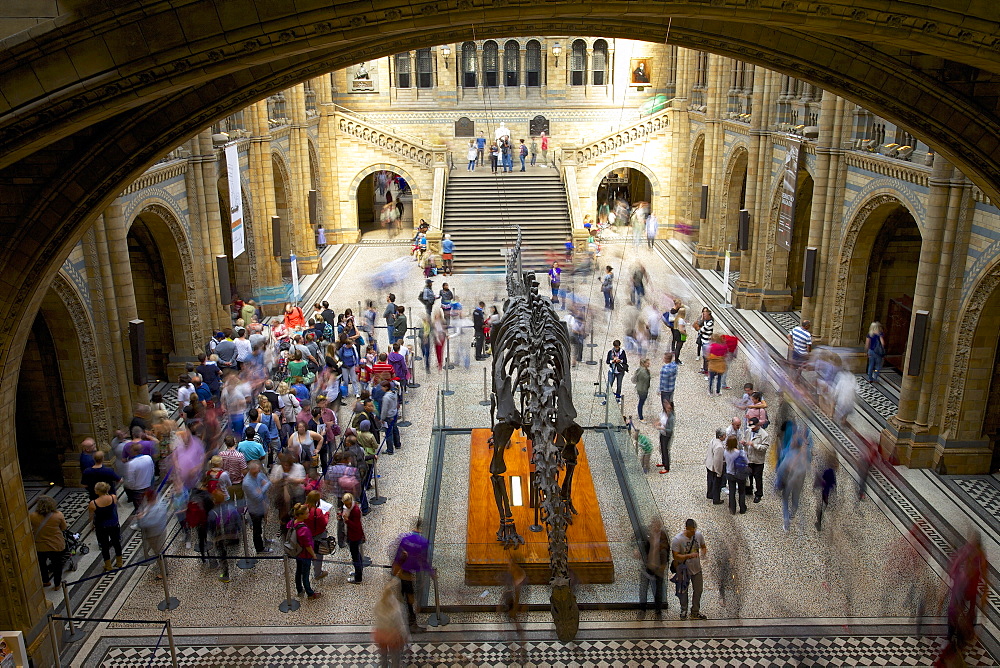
(491,64)
(425,68)
(512,63)
(403,70)
(469,65)
(599,64)
(533,63)
(578,63)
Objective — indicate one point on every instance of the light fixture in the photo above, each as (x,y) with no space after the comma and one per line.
(556,50)
(446,51)
(516,493)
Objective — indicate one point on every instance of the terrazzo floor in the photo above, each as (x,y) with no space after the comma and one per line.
(857,567)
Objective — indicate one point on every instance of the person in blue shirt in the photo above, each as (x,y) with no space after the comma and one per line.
(251,449)
(481,147)
(447,254)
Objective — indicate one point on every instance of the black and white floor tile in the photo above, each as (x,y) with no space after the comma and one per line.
(868,393)
(682,653)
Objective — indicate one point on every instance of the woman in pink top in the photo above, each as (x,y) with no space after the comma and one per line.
(717,351)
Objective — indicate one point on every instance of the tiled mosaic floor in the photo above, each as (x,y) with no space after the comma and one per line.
(687,653)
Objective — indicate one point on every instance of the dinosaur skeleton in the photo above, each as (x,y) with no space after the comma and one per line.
(532,391)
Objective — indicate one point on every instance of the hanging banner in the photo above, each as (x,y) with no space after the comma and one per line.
(786,210)
(235,199)
(726,287)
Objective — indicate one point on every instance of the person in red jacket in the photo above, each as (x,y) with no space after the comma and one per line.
(351,514)
(306,554)
(316,521)
(294,318)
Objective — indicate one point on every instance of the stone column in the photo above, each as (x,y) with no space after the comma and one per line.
(120,372)
(706,254)
(212,241)
(909,439)
(817,216)
(328,181)
(758,131)
(826,276)
(261,176)
(760,212)
(680,133)
(303,237)
(522,80)
(116,230)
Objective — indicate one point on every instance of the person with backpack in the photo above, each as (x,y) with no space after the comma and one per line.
(298,545)
(756,441)
(234,462)
(427,296)
(688,548)
(199,505)
(256,489)
(399,325)
(287,479)
(737,472)
(316,521)
(226,525)
(617,363)
(522,153)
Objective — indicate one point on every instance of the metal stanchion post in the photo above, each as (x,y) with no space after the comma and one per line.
(54,642)
(168,602)
(607,407)
(412,382)
(535,500)
(591,345)
(437,617)
(377,500)
(600,381)
(413,336)
(447,391)
(71,634)
(486,396)
(289,604)
(173,647)
(246,562)
(444,419)
(402,422)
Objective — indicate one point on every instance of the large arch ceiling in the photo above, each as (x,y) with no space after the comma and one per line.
(87,102)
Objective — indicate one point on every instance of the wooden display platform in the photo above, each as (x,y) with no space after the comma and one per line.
(486,559)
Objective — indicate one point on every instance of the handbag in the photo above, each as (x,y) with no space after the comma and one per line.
(326,545)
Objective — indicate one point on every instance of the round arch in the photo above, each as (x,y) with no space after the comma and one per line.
(174,250)
(853,268)
(352,190)
(733,194)
(631,164)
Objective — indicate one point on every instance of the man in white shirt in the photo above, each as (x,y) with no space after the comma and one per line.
(243,347)
(756,441)
(138,474)
(689,547)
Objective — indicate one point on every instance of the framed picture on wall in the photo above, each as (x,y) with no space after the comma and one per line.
(640,72)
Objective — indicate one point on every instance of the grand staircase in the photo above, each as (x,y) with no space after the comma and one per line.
(481,210)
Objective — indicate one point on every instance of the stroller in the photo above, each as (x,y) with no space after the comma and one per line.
(74,548)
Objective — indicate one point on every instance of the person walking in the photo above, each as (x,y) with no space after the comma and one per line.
(298,543)
(666,428)
(715,362)
(47,527)
(641,380)
(522,153)
(104,515)
(534,151)
(706,327)
(715,465)
(656,548)
(875,346)
(256,489)
(617,363)
(390,632)
(545,149)
(791,476)
(410,561)
(351,514)
(800,344)
(688,549)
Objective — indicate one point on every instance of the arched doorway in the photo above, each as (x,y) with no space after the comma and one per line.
(800,236)
(736,198)
(154,256)
(54,394)
(373,193)
(883,246)
(625,185)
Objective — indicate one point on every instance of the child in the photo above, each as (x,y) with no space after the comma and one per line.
(646,448)
(430,265)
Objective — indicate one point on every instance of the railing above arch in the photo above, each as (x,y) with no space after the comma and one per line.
(385,139)
(640,130)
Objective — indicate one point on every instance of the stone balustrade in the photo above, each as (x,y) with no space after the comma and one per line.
(388,141)
(638,131)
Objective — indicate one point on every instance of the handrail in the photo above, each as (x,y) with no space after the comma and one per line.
(388,140)
(641,129)
(339,108)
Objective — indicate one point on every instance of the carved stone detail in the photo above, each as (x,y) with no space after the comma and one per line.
(615,141)
(84,327)
(384,140)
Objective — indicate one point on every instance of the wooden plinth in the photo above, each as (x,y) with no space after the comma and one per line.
(485,558)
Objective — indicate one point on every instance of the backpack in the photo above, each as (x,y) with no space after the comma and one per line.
(348,482)
(213,481)
(227,523)
(348,356)
(427,296)
(210,347)
(741,467)
(327,331)
(524,150)
(291,544)
(194,514)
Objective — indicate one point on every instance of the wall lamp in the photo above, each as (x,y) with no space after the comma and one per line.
(556,50)
(446,51)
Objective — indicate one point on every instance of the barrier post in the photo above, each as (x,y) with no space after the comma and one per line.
(607,407)
(402,422)
(447,391)
(486,396)
(377,500)
(412,357)
(437,617)
(173,647)
(54,642)
(246,562)
(71,634)
(168,602)
(416,348)
(600,381)
(289,604)
(591,344)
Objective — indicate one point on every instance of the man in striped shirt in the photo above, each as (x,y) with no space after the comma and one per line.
(800,343)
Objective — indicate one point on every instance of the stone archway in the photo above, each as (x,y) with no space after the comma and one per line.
(868,237)
(734,195)
(696,171)
(627,180)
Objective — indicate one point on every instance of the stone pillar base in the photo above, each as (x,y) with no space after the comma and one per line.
(309,265)
(434,237)
(969,459)
(706,258)
(746,296)
(777,301)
